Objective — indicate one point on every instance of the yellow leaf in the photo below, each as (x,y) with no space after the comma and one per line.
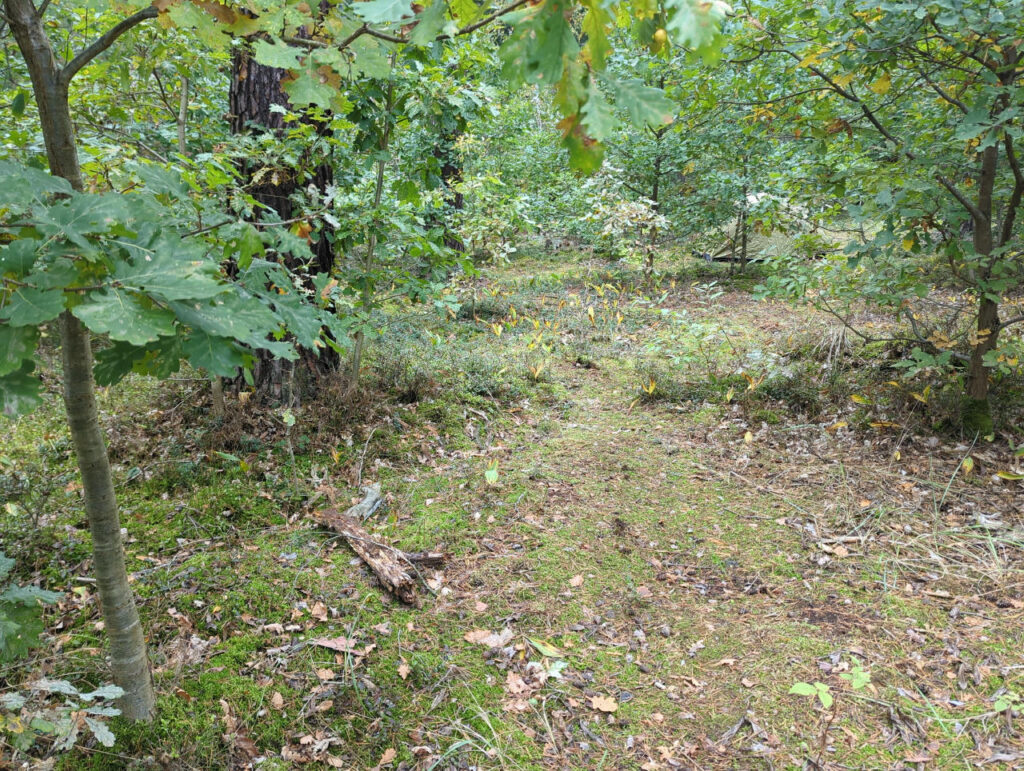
(837,425)
(860,399)
(748,437)
(1011,476)
(908,244)
(844,80)
(809,61)
(882,85)
(920,397)
(968,465)
(728,395)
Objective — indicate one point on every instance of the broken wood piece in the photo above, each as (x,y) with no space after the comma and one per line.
(426,559)
(387,562)
(366,508)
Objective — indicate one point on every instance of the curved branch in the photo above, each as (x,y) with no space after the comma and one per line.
(103,42)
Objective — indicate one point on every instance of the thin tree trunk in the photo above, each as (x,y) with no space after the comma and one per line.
(129,661)
(128,657)
(366,295)
(182,120)
(977,413)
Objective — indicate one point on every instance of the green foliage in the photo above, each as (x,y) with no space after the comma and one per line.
(20,610)
(820,691)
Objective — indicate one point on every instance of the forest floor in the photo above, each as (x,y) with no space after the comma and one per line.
(663,507)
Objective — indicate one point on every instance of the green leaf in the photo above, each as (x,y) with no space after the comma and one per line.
(239,318)
(24,185)
(117,313)
(644,105)
(20,391)
(382,11)
(803,689)
(249,245)
(31,307)
(75,218)
(594,27)
(217,355)
(429,24)
(598,116)
(277,54)
(309,87)
(18,104)
(165,274)
(16,344)
(18,257)
(695,23)
(1009,475)
(465,11)
(554,43)
(157,359)
(544,648)
(29,596)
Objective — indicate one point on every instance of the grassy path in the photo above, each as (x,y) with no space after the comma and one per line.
(639,588)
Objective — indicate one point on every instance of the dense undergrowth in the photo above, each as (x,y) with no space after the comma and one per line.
(666,504)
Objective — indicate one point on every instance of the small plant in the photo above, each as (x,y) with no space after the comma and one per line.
(20,607)
(857,677)
(819,690)
(25,719)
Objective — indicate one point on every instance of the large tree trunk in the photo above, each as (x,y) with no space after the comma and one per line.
(255,91)
(129,661)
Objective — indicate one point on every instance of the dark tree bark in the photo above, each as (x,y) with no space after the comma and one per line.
(447,155)
(255,90)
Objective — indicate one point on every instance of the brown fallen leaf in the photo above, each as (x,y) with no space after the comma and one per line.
(319,611)
(576,581)
(277,701)
(325,674)
(490,639)
(515,684)
(747,682)
(725,663)
(340,644)
(604,703)
(404,669)
(388,757)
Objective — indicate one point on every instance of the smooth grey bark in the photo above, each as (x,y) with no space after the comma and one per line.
(129,661)
(128,656)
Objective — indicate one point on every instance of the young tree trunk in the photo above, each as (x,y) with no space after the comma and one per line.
(977,413)
(254,93)
(447,154)
(128,657)
(129,661)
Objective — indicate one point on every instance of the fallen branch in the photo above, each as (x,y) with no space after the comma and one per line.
(387,562)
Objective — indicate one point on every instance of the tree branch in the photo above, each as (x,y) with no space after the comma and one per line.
(1018,190)
(103,42)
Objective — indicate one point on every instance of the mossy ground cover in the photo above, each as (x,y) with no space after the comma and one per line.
(690,515)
